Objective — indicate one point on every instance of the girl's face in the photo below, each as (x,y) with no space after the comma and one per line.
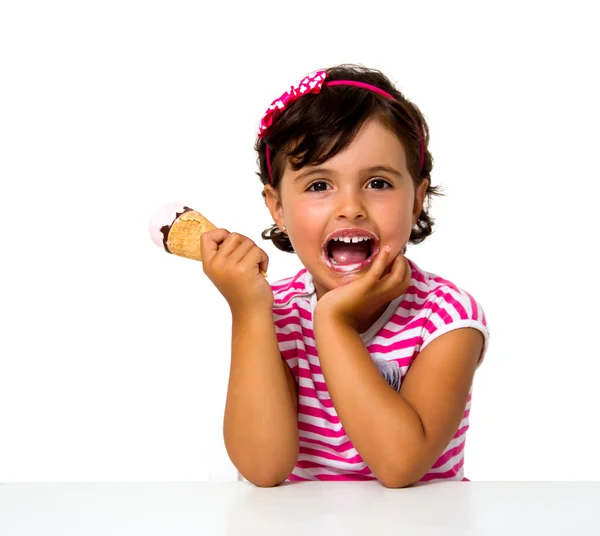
(364,196)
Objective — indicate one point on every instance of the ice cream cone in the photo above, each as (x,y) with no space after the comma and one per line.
(183,235)
(178,228)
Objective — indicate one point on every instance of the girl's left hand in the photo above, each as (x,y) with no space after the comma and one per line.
(367,294)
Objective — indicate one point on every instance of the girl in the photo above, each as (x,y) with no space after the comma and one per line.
(360,366)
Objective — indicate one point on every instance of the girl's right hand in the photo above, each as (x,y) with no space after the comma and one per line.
(233,263)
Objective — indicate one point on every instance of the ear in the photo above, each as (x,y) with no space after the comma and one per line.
(273,201)
(419,199)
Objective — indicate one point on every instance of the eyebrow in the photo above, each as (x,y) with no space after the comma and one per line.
(327,171)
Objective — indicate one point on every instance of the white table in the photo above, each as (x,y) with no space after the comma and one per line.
(308,508)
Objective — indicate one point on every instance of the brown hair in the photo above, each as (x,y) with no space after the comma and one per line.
(316,127)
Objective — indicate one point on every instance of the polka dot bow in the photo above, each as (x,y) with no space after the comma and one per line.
(310,84)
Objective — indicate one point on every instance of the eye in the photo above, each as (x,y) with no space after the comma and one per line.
(318,186)
(380,184)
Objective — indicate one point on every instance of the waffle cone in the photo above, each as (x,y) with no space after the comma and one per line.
(184,235)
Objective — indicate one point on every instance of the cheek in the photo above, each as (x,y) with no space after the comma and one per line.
(393,212)
(308,215)
(313,207)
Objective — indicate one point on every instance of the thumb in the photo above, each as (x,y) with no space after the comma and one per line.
(210,242)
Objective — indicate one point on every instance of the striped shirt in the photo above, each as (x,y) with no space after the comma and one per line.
(430,307)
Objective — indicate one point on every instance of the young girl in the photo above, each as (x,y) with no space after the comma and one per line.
(360,366)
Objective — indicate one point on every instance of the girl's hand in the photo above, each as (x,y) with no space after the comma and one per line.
(364,296)
(233,263)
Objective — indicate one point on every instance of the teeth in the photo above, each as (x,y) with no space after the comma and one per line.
(354,239)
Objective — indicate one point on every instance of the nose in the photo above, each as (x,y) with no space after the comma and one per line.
(350,205)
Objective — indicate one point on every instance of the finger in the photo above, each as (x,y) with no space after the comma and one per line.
(241,250)
(378,265)
(397,275)
(210,242)
(257,257)
(231,243)
(263,263)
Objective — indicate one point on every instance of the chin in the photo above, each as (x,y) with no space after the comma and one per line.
(325,278)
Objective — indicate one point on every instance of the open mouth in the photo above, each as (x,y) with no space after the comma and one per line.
(350,250)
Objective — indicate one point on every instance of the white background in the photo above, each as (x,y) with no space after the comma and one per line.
(114,355)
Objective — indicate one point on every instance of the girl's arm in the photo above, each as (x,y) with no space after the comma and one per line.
(260,425)
(398,435)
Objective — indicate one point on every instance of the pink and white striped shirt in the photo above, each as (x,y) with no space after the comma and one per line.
(430,307)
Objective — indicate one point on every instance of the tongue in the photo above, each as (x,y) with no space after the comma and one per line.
(349,253)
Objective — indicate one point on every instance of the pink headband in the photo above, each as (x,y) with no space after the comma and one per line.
(313,84)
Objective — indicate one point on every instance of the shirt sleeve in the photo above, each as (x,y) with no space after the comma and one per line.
(452,308)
